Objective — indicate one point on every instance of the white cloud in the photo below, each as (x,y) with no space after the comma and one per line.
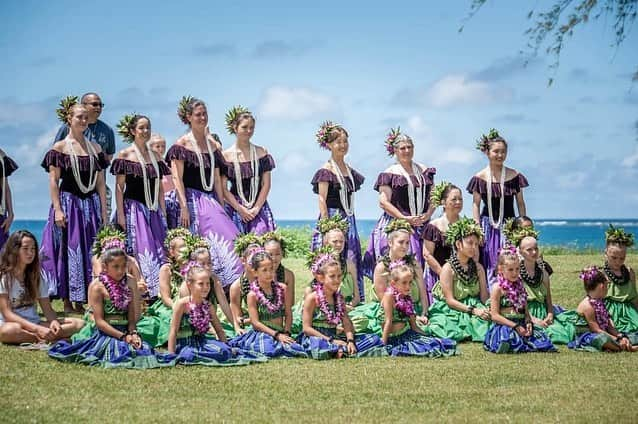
(13,112)
(31,154)
(459,155)
(571,180)
(294,103)
(631,160)
(294,162)
(459,89)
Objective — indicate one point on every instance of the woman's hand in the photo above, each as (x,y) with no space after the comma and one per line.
(422,319)
(284,338)
(549,319)
(352,348)
(60,218)
(184,217)
(121,221)
(482,313)
(6,225)
(55,327)
(44,333)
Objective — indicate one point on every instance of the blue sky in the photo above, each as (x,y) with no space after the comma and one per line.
(368,65)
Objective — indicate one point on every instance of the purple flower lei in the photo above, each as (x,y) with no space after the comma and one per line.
(390,140)
(589,273)
(119,291)
(402,303)
(321,259)
(515,292)
(601,313)
(199,316)
(113,243)
(396,264)
(340,306)
(261,297)
(187,267)
(324,131)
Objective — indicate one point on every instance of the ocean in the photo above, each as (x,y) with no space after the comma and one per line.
(569,233)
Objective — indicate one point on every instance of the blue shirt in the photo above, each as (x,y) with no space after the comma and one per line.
(99,133)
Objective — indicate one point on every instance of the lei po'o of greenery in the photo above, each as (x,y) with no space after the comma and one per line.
(618,235)
(483,143)
(335,222)
(243,241)
(462,228)
(105,234)
(176,233)
(124,128)
(398,224)
(275,236)
(436,197)
(232,115)
(315,259)
(64,109)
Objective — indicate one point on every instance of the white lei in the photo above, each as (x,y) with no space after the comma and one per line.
(3,200)
(206,185)
(348,205)
(75,166)
(254,180)
(501,211)
(416,204)
(152,203)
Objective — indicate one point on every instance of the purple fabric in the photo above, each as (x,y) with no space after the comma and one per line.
(352,249)
(189,157)
(128,167)
(9,166)
(324,175)
(511,186)
(209,220)
(145,234)
(489,250)
(395,180)
(65,253)
(262,223)
(63,161)
(266,164)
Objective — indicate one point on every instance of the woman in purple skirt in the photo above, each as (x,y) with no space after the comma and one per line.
(196,163)
(7,167)
(248,171)
(404,193)
(139,197)
(78,196)
(505,184)
(335,183)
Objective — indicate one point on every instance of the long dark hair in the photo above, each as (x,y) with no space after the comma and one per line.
(9,262)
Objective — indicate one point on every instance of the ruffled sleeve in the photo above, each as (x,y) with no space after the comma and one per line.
(163,168)
(385,179)
(476,185)
(266,164)
(512,186)
(358,179)
(428,176)
(177,152)
(9,166)
(102,161)
(322,175)
(128,167)
(433,234)
(54,158)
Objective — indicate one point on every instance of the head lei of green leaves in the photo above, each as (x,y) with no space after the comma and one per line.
(275,236)
(124,127)
(519,234)
(244,241)
(618,235)
(233,115)
(398,224)
(64,108)
(179,232)
(314,259)
(104,236)
(408,259)
(335,222)
(436,197)
(462,228)
(184,108)
(483,143)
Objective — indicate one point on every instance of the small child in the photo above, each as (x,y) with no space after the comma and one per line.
(401,335)
(270,313)
(245,246)
(595,328)
(275,244)
(513,225)
(512,330)
(20,287)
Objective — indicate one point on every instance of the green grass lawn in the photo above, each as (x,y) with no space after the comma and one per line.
(476,386)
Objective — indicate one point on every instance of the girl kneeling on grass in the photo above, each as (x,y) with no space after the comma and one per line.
(401,334)
(325,309)
(20,287)
(595,329)
(269,311)
(114,342)
(189,342)
(512,330)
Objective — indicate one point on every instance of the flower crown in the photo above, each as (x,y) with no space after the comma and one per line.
(483,143)
(335,222)
(316,259)
(323,134)
(519,234)
(391,140)
(194,242)
(232,115)
(106,238)
(254,250)
(398,224)
(275,236)
(619,236)
(64,109)
(124,127)
(176,233)
(437,193)
(508,250)
(188,266)
(396,264)
(408,260)
(182,108)
(589,273)
(243,241)
(462,228)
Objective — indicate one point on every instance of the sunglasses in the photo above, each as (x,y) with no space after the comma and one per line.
(95,104)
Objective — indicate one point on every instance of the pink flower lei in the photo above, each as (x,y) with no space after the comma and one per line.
(263,300)
(333,318)
(601,313)
(199,316)
(113,243)
(515,292)
(324,131)
(119,291)
(402,303)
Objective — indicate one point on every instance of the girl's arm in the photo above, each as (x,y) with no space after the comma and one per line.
(120,183)
(96,266)
(309,305)
(177,174)
(178,312)
(133,269)
(47,310)
(165,285)
(263,192)
(428,251)
(495,312)
(251,300)
(352,270)
(423,295)
(380,280)
(385,194)
(520,203)
(221,300)
(9,205)
(549,319)
(590,316)
(41,331)
(447,287)
(413,326)
(134,309)
(234,203)
(235,306)
(632,280)
(288,311)
(217,326)
(321,197)
(388,308)
(219,185)
(289,276)
(483,292)
(101,190)
(54,191)
(162,202)
(476,207)
(96,301)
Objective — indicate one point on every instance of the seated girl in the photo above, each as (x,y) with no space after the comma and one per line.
(512,330)
(459,310)
(324,311)
(114,302)
(275,244)
(270,313)
(20,288)
(245,245)
(525,223)
(401,335)
(595,328)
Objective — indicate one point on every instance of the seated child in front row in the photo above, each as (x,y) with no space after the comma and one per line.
(595,330)
(245,245)
(512,330)
(20,287)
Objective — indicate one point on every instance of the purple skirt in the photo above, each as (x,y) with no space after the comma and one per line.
(262,343)
(352,250)
(264,221)
(378,245)
(209,220)
(65,253)
(489,252)
(504,339)
(4,235)
(145,234)
(431,278)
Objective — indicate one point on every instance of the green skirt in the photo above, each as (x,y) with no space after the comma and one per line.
(449,323)
(623,314)
(563,330)
(154,325)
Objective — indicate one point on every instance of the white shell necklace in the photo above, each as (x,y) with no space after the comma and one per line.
(501,204)
(206,185)
(152,202)
(3,200)
(75,166)
(417,202)
(254,180)
(346,201)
